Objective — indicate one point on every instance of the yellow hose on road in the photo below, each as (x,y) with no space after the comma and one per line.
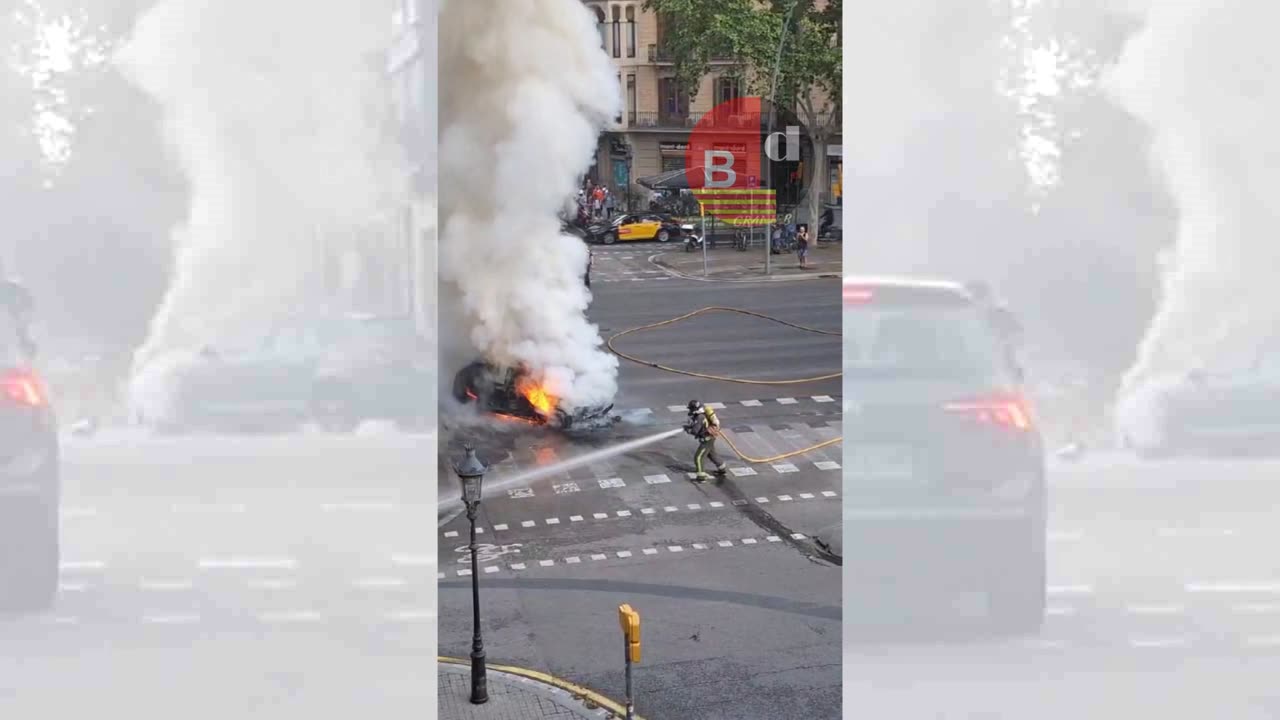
(741,381)
(721,378)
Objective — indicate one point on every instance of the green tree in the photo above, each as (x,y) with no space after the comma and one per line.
(751,32)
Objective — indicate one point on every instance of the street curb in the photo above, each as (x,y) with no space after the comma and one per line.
(653,260)
(595,704)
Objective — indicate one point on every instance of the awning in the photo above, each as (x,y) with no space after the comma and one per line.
(673,179)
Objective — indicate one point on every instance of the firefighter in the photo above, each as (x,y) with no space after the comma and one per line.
(705,427)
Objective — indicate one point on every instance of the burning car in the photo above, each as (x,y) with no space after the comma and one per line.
(514,393)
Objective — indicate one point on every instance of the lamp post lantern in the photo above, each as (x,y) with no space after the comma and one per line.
(471,474)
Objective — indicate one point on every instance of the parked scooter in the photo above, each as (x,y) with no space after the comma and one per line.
(692,240)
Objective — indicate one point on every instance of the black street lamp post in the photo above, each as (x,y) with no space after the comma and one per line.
(471,473)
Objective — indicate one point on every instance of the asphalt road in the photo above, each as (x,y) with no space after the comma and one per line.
(740,609)
(282,577)
(1164,602)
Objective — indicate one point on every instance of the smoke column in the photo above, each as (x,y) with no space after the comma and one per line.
(280,127)
(525,90)
(1202,74)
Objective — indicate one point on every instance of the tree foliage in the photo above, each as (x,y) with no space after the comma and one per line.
(96,252)
(749,32)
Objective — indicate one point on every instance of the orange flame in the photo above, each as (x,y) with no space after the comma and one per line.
(537,395)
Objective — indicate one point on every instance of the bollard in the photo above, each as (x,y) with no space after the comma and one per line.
(630,621)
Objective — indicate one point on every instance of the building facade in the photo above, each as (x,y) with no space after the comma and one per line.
(651,135)
(411,68)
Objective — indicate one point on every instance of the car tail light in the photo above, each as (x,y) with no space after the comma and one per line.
(24,388)
(856,295)
(1009,411)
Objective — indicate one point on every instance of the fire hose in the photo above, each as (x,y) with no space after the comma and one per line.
(742,381)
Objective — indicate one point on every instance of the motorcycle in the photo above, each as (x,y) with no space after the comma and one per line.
(692,240)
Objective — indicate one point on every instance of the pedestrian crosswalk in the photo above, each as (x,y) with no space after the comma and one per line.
(670,460)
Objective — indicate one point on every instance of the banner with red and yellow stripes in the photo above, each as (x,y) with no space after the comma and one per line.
(744,207)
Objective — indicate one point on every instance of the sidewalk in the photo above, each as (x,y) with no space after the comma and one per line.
(511,697)
(724,264)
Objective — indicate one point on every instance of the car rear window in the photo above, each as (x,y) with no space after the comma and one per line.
(921,340)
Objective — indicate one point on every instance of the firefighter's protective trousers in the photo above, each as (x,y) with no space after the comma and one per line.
(706,451)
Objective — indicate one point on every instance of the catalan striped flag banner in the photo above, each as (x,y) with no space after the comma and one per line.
(743,207)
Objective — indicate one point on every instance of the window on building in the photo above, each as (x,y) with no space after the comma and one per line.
(672,162)
(728,90)
(631,31)
(617,31)
(618,119)
(603,27)
(631,99)
(675,102)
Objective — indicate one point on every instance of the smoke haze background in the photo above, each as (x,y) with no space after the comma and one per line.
(526,90)
(1201,76)
(283,135)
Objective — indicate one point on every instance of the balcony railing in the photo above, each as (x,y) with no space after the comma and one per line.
(659,53)
(686,121)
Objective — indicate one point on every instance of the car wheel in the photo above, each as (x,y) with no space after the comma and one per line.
(663,235)
(1016,592)
(610,238)
(31,556)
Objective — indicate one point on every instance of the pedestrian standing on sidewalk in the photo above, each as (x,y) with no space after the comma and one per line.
(802,246)
(610,203)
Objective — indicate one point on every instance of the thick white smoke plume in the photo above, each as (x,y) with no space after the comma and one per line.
(277,111)
(525,91)
(1202,74)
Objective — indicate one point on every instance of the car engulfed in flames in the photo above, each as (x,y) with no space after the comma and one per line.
(515,394)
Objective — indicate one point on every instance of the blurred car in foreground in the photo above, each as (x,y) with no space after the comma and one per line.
(30,488)
(1203,413)
(335,371)
(513,393)
(944,474)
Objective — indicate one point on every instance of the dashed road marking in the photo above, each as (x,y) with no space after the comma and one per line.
(83,565)
(656,479)
(553,521)
(1155,609)
(380,582)
(785,498)
(650,551)
(517,566)
(528,523)
(500,527)
(295,616)
(575,518)
(451,534)
(675,548)
(599,556)
(823,398)
(273,584)
(612,483)
(171,619)
(827,465)
(411,616)
(166,585)
(546,563)
(670,509)
(566,488)
(1069,590)
(624,553)
(1233,587)
(573,560)
(515,493)
(786,468)
(1159,643)
(491,568)
(748,541)
(742,471)
(751,403)
(647,511)
(624,513)
(1196,532)
(360,507)
(787,401)
(600,516)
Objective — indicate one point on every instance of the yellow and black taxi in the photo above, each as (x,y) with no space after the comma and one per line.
(633,227)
